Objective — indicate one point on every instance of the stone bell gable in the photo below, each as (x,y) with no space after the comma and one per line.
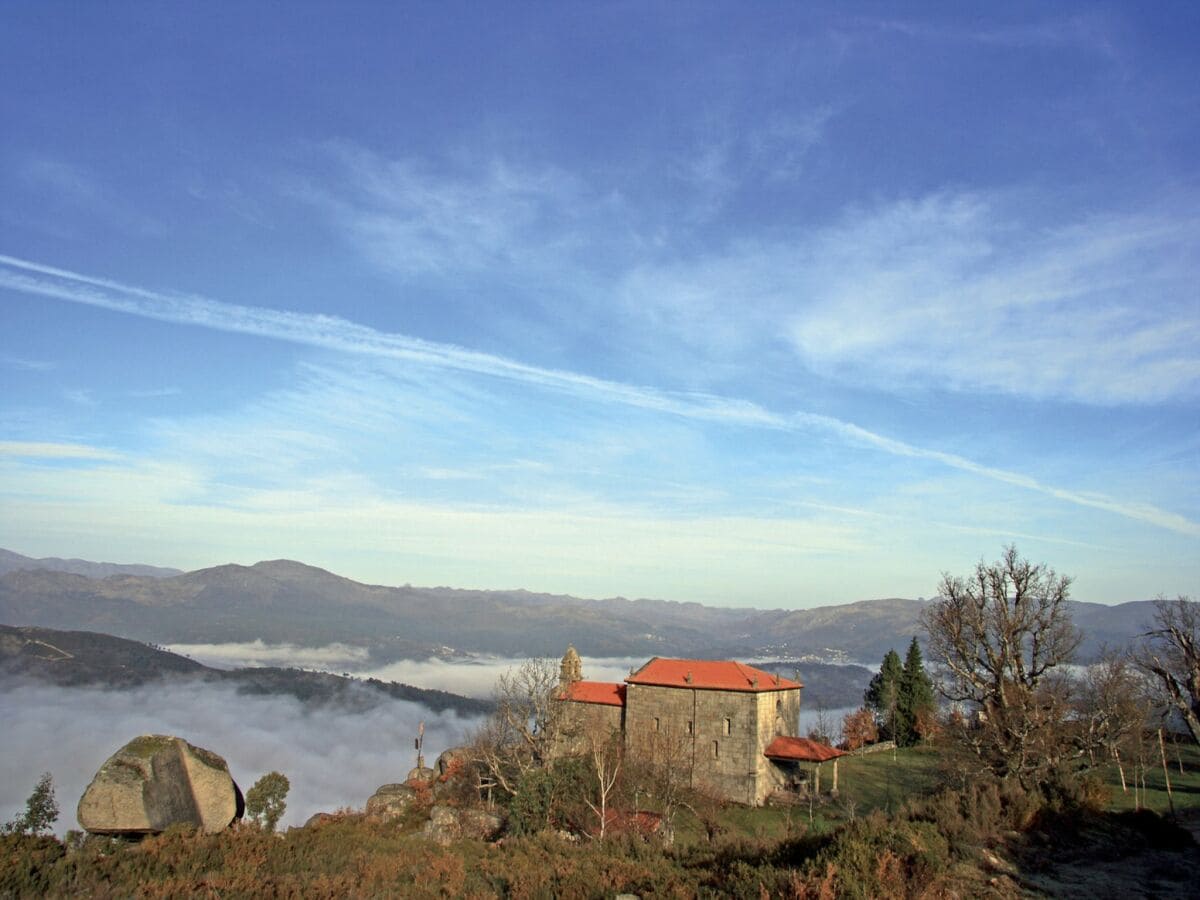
(717,717)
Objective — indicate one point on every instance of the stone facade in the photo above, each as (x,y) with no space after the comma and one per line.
(712,719)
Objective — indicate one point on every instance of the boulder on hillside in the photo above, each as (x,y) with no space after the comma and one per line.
(448,824)
(452,759)
(420,775)
(390,801)
(156,781)
(322,818)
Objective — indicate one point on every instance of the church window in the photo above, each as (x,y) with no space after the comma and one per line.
(729,726)
(716,749)
(656,723)
(689,726)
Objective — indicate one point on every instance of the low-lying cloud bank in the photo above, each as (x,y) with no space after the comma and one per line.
(331,657)
(332,757)
(470,676)
(477,677)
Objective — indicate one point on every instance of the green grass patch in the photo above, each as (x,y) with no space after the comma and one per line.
(881,781)
(1185,785)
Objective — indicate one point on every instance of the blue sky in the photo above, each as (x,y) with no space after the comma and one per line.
(767,304)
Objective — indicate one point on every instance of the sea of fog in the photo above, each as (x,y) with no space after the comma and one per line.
(333,758)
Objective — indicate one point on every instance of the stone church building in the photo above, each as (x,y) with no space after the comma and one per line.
(732,726)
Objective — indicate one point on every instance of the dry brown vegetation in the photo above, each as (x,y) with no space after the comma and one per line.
(992,839)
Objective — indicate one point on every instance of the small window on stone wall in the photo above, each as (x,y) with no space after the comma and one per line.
(716,749)
(689,726)
(729,726)
(656,723)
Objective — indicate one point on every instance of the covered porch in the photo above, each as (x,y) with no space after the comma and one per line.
(798,762)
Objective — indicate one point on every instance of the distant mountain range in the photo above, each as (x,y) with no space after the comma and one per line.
(13,562)
(88,659)
(286,601)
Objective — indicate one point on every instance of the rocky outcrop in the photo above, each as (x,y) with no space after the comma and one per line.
(156,781)
(448,824)
(390,802)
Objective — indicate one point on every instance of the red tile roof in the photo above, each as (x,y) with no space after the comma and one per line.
(605,692)
(801,750)
(709,674)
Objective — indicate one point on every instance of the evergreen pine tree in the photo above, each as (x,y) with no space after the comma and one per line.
(883,694)
(916,695)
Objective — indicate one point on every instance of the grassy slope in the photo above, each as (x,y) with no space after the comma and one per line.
(1185,786)
(879,781)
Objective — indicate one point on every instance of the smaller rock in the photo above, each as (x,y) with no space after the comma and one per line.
(448,824)
(390,802)
(448,759)
(321,818)
(479,824)
(421,775)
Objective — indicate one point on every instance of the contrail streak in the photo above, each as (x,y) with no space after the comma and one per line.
(334,333)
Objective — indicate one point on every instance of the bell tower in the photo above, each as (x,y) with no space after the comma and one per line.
(571,669)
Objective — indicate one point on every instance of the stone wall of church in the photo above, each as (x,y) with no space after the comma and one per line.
(778,713)
(578,724)
(718,736)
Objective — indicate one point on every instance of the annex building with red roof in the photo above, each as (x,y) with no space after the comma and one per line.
(720,720)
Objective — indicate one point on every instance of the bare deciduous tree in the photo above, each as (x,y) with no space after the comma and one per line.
(998,636)
(1111,710)
(661,769)
(1170,652)
(521,734)
(605,756)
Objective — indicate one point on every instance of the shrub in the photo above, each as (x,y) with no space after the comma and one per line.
(41,810)
(266,801)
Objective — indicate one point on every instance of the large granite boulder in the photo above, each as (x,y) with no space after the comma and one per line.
(156,781)
(390,801)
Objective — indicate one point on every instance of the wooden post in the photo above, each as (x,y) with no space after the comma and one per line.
(834,790)
(1162,750)
(817,779)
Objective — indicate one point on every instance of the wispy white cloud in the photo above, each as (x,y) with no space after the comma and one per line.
(949,293)
(954,292)
(342,335)
(67,184)
(409,219)
(80,397)
(391,540)
(63,179)
(44,450)
(28,365)
(1089,32)
(731,156)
